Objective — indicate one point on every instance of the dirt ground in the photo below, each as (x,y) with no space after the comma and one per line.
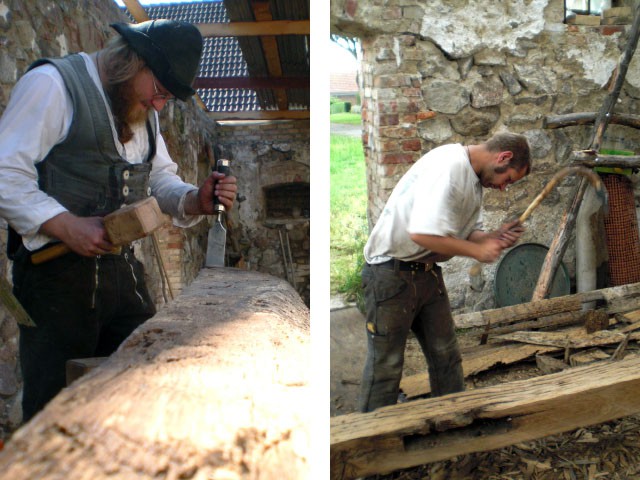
(605,451)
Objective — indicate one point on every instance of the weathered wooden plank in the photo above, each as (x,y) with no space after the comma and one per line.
(476,360)
(562,339)
(425,431)
(591,159)
(214,386)
(618,299)
(587,118)
(555,321)
(484,357)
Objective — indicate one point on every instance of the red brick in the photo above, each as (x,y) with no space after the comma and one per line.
(387,107)
(412,145)
(386,120)
(426,115)
(387,145)
(411,92)
(412,107)
(389,170)
(394,158)
(350,7)
(611,29)
(409,119)
(398,132)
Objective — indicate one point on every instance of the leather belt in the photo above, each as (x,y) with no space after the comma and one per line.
(406,266)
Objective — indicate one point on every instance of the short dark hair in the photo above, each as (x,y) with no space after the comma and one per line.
(514,143)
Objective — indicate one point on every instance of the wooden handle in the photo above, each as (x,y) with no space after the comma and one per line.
(50,253)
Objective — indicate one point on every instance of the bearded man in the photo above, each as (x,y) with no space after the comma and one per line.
(78,139)
(433,214)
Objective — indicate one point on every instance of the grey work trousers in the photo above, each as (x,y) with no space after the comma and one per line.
(397,301)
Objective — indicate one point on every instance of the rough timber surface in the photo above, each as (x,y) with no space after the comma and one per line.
(214,386)
(424,431)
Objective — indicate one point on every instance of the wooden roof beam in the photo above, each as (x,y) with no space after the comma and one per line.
(251,82)
(262,13)
(261,115)
(244,29)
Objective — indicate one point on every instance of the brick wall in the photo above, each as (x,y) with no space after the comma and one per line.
(267,155)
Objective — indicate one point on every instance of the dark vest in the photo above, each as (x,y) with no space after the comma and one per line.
(85,172)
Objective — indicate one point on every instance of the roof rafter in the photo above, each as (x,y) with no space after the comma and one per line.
(270,27)
(251,82)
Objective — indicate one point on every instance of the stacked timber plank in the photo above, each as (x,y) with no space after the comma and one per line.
(596,381)
(515,334)
(214,386)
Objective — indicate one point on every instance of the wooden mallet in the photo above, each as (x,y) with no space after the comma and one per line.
(123,226)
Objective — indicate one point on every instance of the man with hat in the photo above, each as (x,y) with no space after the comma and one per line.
(78,139)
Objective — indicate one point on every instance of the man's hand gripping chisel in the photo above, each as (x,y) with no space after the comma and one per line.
(218,233)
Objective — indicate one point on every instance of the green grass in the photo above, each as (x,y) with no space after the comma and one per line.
(346,117)
(348,203)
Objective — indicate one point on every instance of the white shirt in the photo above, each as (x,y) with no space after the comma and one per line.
(439,195)
(36,119)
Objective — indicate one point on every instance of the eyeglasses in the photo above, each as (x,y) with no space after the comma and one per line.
(159,97)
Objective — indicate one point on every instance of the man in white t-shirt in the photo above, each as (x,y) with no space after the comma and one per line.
(433,214)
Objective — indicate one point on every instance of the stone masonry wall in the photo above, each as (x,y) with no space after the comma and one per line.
(458,71)
(34,29)
(269,155)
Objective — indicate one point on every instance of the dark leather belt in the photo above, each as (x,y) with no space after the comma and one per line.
(406,266)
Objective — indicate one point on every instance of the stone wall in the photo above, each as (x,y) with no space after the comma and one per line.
(264,156)
(457,71)
(37,28)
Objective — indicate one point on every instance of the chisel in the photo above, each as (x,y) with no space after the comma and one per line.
(218,232)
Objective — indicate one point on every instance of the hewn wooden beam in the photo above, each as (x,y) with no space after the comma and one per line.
(262,13)
(216,385)
(261,115)
(138,13)
(589,158)
(618,299)
(251,82)
(244,29)
(425,431)
(587,118)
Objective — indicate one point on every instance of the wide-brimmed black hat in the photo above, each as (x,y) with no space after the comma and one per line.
(170,49)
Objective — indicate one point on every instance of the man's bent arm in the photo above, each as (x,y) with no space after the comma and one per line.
(480,245)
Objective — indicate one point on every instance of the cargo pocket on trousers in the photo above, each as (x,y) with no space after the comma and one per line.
(382,287)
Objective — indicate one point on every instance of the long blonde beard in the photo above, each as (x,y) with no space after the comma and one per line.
(125,106)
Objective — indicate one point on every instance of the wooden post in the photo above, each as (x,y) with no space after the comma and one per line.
(559,244)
